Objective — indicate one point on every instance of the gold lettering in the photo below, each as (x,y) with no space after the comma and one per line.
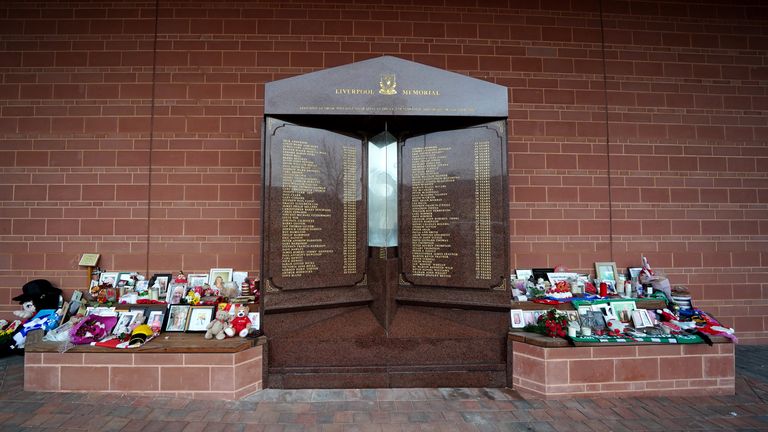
(414,92)
(353,91)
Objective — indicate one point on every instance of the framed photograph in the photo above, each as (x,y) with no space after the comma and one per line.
(177,318)
(634,272)
(155,319)
(582,309)
(516,316)
(238,277)
(541,273)
(101,310)
(623,309)
(175,293)
(143,310)
(197,279)
(640,318)
(573,316)
(606,271)
(124,321)
(199,317)
(606,310)
(124,279)
(523,273)
(598,320)
(218,276)
(162,280)
(529,317)
(255,318)
(108,278)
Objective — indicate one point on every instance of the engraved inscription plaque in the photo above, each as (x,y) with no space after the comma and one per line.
(315,209)
(452,217)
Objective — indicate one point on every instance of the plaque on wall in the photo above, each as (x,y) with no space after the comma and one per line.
(314,209)
(453,218)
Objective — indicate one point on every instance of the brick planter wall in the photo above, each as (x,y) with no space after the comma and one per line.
(191,375)
(618,370)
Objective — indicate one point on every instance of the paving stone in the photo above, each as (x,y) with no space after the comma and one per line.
(387,410)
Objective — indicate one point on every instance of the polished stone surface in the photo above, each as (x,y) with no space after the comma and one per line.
(385,410)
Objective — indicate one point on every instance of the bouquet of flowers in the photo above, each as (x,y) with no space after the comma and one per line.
(553,323)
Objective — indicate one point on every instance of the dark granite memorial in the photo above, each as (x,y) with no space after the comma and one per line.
(384,246)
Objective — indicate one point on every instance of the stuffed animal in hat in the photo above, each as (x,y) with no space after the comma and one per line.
(41,294)
(240,324)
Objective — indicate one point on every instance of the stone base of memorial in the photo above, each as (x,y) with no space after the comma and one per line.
(183,365)
(549,368)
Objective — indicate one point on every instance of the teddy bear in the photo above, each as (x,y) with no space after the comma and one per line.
(240,324)
(217,327)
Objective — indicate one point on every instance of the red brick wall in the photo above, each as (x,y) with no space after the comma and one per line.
(686,93)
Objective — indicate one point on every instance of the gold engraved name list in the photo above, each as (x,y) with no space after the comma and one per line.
(431,212)
(482,210)
(300,212)
(349,218)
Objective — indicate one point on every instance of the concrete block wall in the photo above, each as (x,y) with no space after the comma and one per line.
(684,86)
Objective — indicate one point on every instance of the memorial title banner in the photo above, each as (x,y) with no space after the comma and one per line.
(385,86)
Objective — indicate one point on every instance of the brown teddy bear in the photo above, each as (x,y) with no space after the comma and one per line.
(216,327)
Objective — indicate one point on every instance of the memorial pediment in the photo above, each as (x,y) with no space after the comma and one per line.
(386,86)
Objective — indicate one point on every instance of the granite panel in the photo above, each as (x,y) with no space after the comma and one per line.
(314,208)
(453,227)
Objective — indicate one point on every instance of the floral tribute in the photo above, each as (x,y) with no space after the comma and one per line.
(553,323)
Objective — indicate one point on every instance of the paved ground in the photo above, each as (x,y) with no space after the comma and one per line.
(450,409)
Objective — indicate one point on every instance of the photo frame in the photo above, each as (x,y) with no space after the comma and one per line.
(623,309)
(125,320)
(239,277)
(516,318)
(124,279)
(175,293)
(197,279)
(177,318)
(156,319)
(255,318)
(606,271)
(199,318)
(108,278)
(634,272)
(598,320)
(218,277)
(541,273)
(163,280)
(144,310)
(523,273)
(573,316)
(606,310)
(641,319)
(529,317)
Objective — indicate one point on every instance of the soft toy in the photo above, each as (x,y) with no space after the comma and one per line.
(216,328)
(228,290)
(27,310)
(41,294)
(240,324)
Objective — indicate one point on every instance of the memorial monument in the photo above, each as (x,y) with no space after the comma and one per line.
(385,240)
